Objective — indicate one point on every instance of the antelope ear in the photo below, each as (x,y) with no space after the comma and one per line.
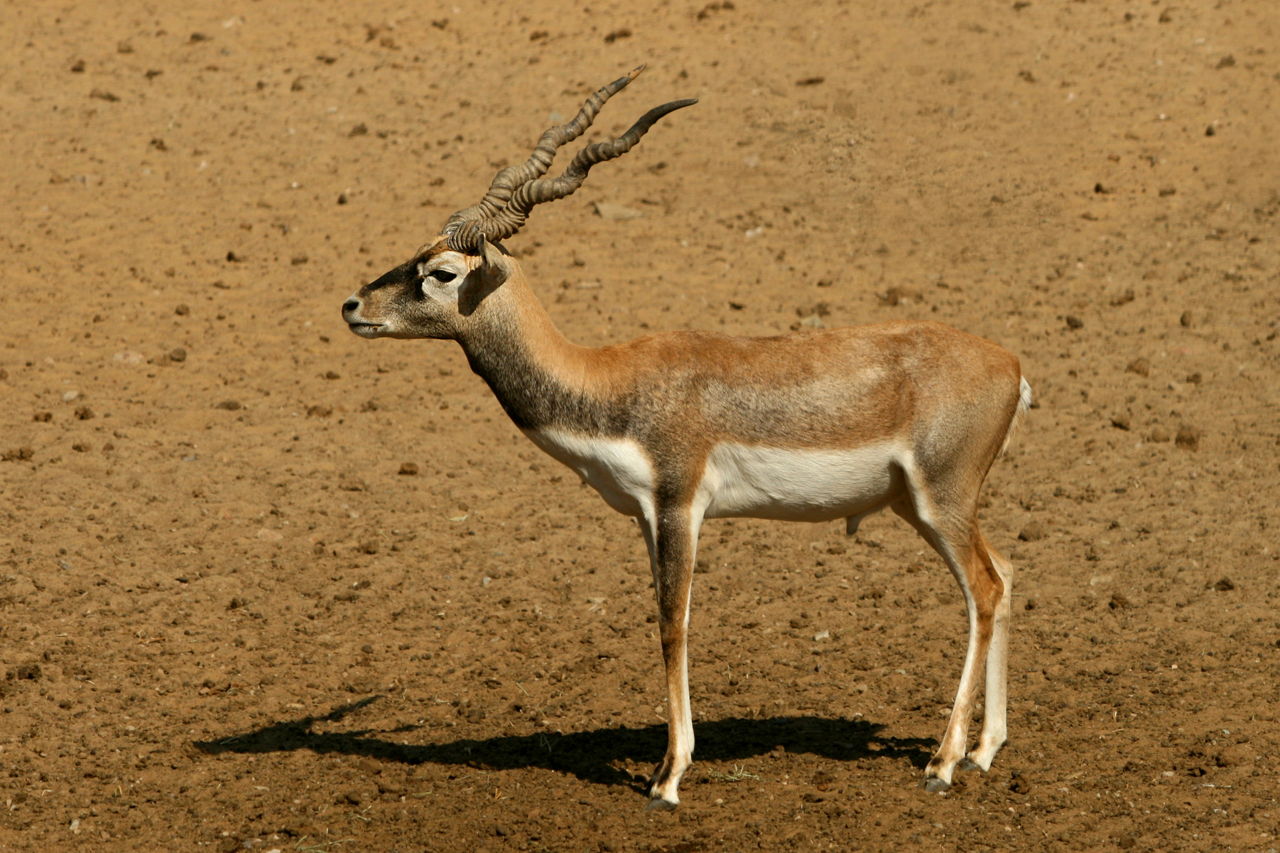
(491,254)
(484,279)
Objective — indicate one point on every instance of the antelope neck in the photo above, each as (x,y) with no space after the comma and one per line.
(541,378)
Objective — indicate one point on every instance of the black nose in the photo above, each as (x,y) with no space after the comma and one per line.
(350,305)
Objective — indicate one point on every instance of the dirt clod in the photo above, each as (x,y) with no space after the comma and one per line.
(1032,531)
(1141,366)
(25,672)
(898,295)
(1188,437)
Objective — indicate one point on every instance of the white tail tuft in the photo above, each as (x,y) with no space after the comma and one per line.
(1024,403)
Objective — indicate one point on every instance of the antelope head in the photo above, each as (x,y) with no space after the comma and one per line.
(435,293)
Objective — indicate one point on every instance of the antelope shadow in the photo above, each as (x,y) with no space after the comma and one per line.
(590,755)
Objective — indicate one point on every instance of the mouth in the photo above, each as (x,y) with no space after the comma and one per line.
(366,330)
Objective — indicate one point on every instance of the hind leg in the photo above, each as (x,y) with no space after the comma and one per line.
(994,724)
(961,546)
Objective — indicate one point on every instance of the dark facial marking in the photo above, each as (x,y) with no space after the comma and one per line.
(406,273)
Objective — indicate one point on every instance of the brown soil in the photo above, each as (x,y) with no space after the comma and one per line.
(232,619)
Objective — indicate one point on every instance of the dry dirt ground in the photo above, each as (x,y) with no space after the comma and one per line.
(231,618)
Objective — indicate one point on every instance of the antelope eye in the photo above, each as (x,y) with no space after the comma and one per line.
(442,276)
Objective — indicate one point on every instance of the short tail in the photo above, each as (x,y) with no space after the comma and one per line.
(1024,403)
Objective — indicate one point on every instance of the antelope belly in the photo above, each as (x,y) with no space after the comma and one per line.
(797,484)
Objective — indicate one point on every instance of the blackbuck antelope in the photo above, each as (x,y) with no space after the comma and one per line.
(674,428)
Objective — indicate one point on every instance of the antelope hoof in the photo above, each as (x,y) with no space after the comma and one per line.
(983,756)
(934,785)
(658,804)
(968,763)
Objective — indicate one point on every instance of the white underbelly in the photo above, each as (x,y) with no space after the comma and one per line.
(738,480)
(796,484)
(617,468)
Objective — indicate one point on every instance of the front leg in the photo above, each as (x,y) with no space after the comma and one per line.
(671,534)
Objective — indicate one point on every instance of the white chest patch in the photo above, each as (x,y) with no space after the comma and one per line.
(617,468)
(796,484)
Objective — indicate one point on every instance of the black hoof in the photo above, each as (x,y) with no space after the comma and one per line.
(968,763)
(934,785)
(657,804)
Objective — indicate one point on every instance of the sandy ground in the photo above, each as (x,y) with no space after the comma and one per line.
(229,619)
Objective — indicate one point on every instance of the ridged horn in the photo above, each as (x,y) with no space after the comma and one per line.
(510,178)
(516,189)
